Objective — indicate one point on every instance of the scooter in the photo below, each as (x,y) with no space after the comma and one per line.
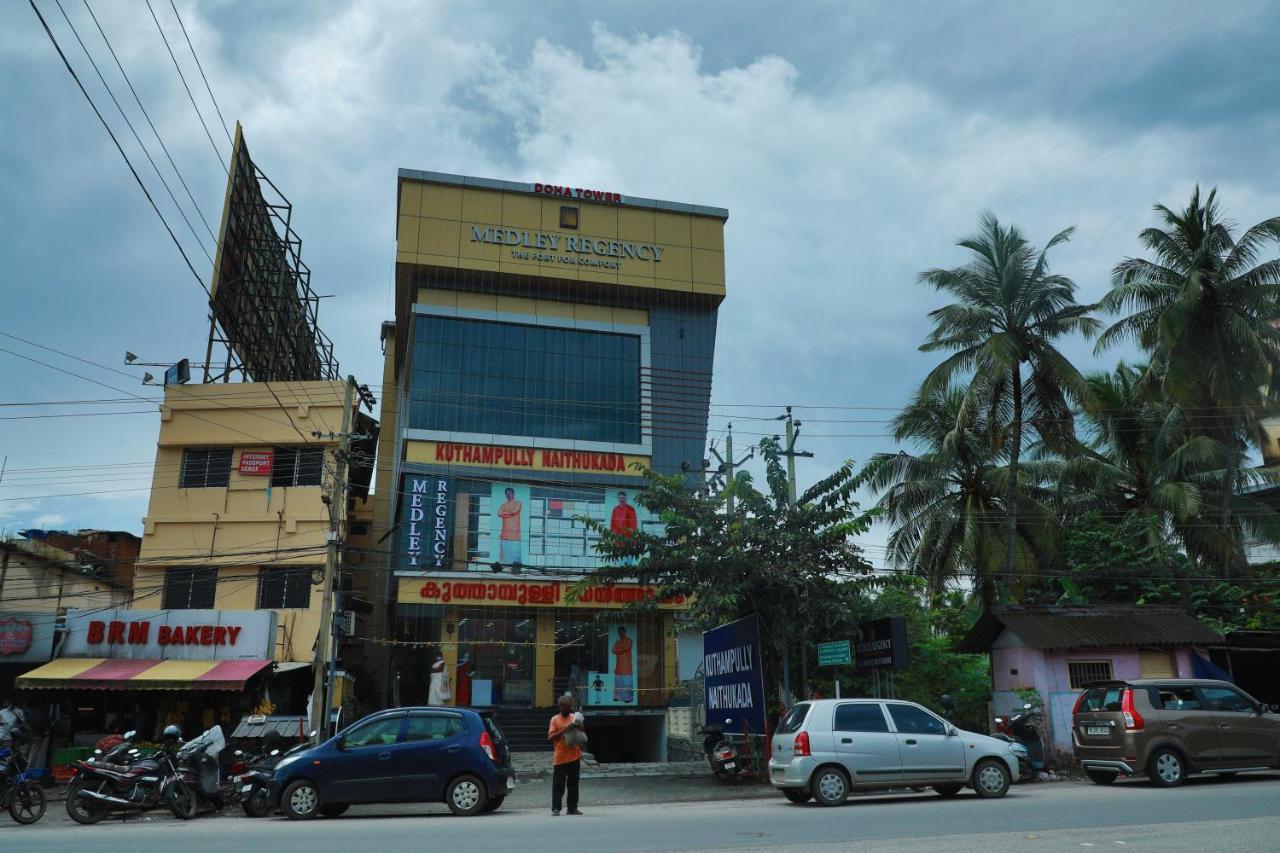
(722,755)
(101,787)
(197,763)
(251,775)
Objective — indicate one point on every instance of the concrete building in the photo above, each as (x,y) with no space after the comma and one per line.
(550,342)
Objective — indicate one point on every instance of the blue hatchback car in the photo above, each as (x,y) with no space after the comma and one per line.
(452,755)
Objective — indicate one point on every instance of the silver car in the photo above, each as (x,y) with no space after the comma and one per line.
(828,747)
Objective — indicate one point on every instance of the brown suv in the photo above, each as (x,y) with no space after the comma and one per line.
(1169,727)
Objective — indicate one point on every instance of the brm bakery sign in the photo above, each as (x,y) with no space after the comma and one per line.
(551,248)
(170,634)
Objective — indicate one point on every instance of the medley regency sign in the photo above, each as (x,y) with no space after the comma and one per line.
(426,520)
(733,672)
(549,248)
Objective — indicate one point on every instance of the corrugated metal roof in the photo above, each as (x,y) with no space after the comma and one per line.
(259,726)
(1089,627)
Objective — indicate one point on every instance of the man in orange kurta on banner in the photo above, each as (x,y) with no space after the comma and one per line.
(623,522)
(624,679)
(509,546)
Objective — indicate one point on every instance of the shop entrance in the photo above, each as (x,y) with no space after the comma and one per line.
(496,654)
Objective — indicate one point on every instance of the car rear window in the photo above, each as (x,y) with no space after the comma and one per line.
(491,725)
(791,723)
(1101,699)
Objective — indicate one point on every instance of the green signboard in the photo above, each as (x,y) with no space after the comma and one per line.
(834,654)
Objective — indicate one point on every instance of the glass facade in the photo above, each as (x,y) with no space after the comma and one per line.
(480,376)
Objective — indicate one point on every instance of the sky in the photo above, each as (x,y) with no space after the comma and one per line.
(853,143)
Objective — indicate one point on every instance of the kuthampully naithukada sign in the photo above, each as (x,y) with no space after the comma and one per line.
(733,671)
(882,644)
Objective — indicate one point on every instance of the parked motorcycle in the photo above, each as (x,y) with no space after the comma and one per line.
(197,764)
(722,755)
(250,776)
(20,793)
(136,784)
(1019,729)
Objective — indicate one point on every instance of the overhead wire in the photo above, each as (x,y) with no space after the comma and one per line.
(225,128)
(190,97)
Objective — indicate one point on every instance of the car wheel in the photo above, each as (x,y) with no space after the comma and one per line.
(991,779)
(28,803)
(797,795)
(1166,768)
(182,801)
(493,804)
(466,796)
(830,786)
(1102,777)
(334,809)
(83,810)
(947,790)
(300,801)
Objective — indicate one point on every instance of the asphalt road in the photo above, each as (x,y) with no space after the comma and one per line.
(1203,815)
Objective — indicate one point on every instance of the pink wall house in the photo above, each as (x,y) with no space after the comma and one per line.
(1055,650)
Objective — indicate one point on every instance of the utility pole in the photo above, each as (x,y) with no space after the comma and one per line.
(327,637)
(793,433)
(728,464)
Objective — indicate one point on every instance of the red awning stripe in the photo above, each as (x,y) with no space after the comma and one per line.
(115,670)
(231,671)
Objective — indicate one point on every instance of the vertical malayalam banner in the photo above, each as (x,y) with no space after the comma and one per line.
(426,522)
(510,524)
(733,672)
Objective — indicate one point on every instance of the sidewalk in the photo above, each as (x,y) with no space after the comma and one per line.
(535,765)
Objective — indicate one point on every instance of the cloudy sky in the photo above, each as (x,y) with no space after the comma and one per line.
(852,142)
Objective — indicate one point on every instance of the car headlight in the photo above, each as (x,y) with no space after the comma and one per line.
(285,762)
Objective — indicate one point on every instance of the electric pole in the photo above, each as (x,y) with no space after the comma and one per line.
(793,433)
(327,637)
(728,464)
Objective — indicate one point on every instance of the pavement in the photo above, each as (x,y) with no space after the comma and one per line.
(657,813)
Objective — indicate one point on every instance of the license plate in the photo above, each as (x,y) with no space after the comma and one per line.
(246,789)
(730,765)
(1097,730)
(511,784)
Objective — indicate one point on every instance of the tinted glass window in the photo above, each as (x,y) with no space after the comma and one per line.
(1101,699)
(791,723)
(433,727)
(1170,697)
(1226,699)
(860,718)
(284,587)
(376,733)
(481,376)
(297,466)
(916,721)
(191,588)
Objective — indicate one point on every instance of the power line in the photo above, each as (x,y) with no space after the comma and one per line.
(119,148)
(191,97)
(225,128)
(151,124)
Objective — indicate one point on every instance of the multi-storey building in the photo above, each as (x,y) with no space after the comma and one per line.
(550,343)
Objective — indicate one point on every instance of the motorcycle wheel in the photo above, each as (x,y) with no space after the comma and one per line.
(257,804)
(81,810)
(181,801)
(28,803)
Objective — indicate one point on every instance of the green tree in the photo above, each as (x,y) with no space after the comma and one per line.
(784,563)
(1002,335)
(947,503)
(1204,307)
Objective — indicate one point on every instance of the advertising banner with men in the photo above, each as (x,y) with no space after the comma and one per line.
(733,669)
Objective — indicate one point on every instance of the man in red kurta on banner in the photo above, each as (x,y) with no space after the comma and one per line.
(623,522)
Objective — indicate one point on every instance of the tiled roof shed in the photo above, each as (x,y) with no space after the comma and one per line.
(1089,627)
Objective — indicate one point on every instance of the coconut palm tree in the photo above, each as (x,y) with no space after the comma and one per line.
(1142,460)
(1002,335)
(1204,308)
(948,503)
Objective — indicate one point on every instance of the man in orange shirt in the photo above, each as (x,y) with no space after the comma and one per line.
(568,757)
(624,679)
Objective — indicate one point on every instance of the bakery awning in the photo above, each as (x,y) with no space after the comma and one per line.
(115,674)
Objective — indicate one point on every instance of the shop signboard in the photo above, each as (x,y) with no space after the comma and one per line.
(533,594)
(733,672)
(26,637)
(256,463)
(882,644)
(426,522)
(170,634)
